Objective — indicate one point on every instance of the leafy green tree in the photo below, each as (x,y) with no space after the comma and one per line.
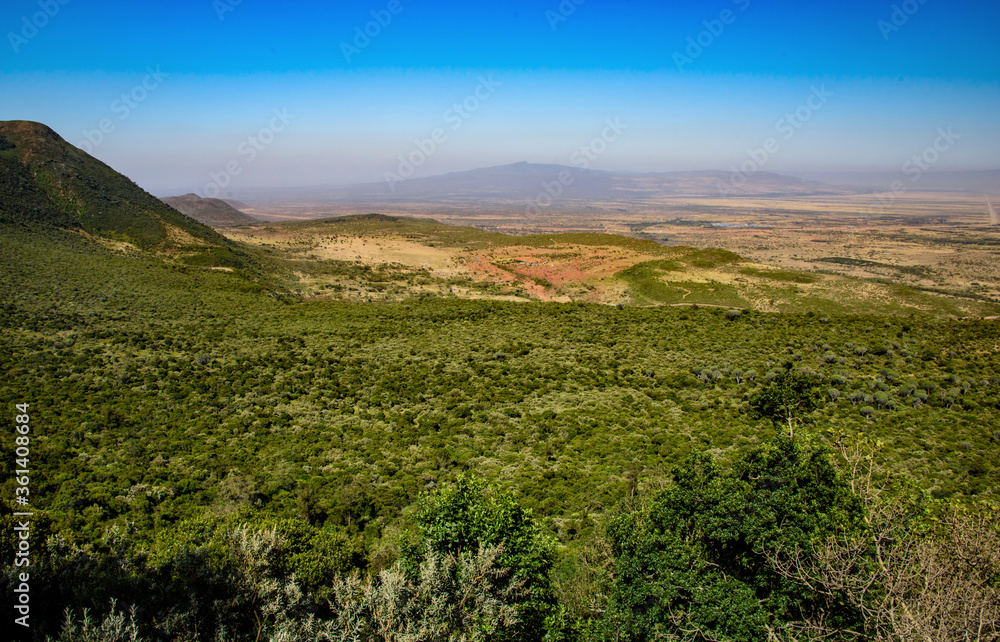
(918,570)
(786,398)
(695,563)
(467,517)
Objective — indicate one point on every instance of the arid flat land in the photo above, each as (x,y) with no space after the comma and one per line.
(833,252)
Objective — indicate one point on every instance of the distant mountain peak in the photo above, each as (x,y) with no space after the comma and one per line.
(213,212)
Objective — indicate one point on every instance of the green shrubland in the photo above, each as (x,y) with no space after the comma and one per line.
(232,462)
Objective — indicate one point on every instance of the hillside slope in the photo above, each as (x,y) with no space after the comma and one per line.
(213,212)
(45,182)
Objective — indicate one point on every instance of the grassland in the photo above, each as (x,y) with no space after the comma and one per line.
(377,257)
(940,243)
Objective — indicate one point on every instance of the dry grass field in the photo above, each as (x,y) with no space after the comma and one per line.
(839,253)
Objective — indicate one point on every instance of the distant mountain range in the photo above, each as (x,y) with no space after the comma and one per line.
(976,182)
(213,212)
(545,185)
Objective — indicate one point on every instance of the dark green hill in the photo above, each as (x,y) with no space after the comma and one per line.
(45,182)
(213,212)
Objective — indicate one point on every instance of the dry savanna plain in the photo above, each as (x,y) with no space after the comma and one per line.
(935,253)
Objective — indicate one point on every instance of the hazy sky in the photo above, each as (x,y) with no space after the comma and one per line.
(254,93)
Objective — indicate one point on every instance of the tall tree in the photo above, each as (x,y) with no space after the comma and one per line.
(694,564)
(786,398)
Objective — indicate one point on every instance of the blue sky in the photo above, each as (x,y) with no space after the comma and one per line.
(185,89)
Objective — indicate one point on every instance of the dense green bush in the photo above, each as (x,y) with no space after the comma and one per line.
(466,518)
(695,559)
(169,402)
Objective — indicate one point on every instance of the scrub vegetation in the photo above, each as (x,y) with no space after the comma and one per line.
(220,453)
